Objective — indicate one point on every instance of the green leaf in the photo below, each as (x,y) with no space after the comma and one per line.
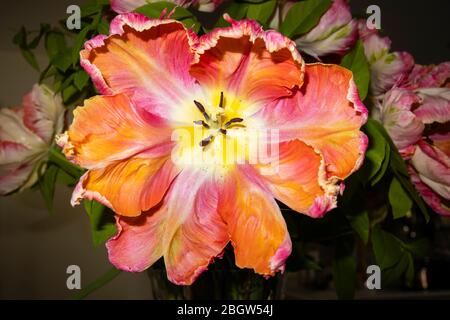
(262,12)
(154,10)
(419,248)
(102,222)
(303,16)
(55,43)
(394,256)
(361,224)
(62,60)
(397,164)
(35,42)
(81,79)
(68,93)
(384,166)
(376,152)
(78,44)
(387,248)
(344,271)
(103,27)
(399,199)
(396,273)
(406,184)
(47,185)
(65,178)
(92,7)
(97,284)
(356,61)
(236,10)
(30,58)
(20,38)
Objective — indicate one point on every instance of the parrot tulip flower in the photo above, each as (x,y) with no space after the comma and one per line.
(387,69)
(125,6)
(335,34)
(180,198)
(26,134)
(416,116)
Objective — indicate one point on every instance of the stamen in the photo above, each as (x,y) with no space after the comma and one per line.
(221,100)
(234,120)
(223,131)
(201,108)
(202,123)
(206,141)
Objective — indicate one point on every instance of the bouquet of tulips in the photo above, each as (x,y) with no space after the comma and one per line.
(197,133)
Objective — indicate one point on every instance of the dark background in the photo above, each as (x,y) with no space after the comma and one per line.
(36,248)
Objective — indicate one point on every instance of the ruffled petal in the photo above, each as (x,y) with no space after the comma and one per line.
(250,65)
(432,76)
(396,115)
(186,229)
(139,241)
(430,197)
(20,152)
(200,234)
(257,229)
(433,167)
(326,114)
(430,173)
(128,187)
(434,105)
(16,166)
(296,176)
(110,128)
(148,60)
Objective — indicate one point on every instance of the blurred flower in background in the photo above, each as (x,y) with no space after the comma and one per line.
(125,6)
(335,34)
(417,116)
(26,134)
(386,68)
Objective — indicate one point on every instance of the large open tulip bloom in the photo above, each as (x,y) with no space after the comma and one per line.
(179,197)
(26,134)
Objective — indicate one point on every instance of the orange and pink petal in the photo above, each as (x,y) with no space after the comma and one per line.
(251,64)
(146,59)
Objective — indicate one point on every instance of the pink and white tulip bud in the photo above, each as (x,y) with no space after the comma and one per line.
(387,69)
(335,33)
(26,134)
(417,117)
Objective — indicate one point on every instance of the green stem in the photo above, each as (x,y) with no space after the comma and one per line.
(60,160)
(97,284)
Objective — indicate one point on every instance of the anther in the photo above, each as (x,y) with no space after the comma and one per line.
(206,141)
(221,100)
(201,108)
(202,123)
(234,120)
(223,131)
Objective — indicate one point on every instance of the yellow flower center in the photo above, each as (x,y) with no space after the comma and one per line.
(216,123)
(218,135)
